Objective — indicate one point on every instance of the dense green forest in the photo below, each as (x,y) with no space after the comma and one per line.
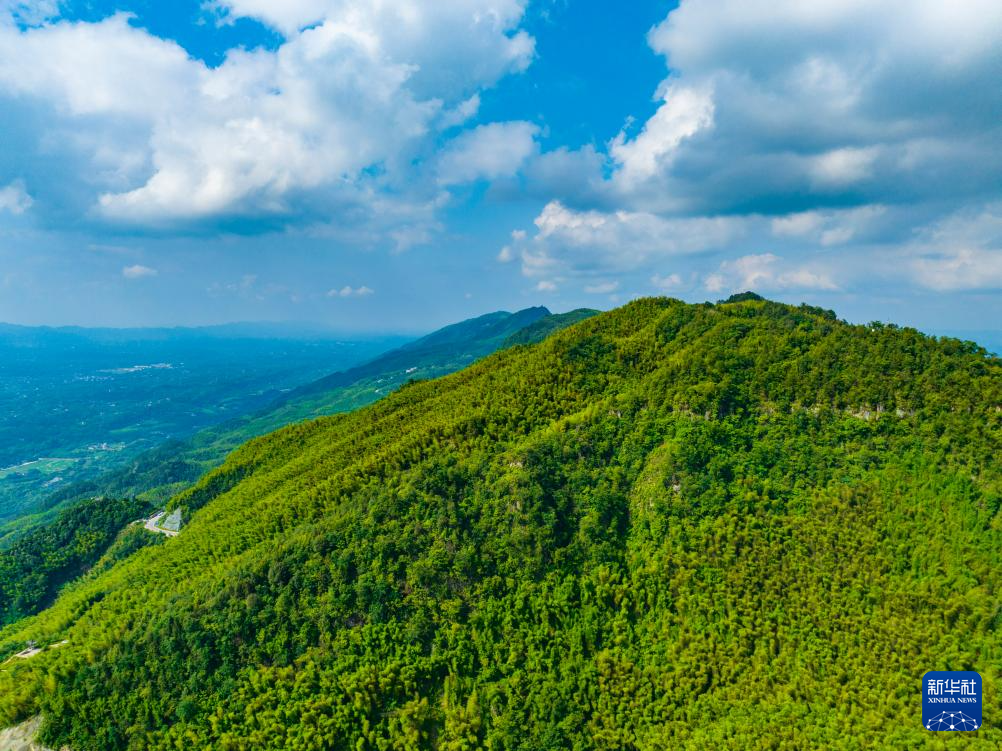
(547,325)
(736,526)
(45,552)
(33,567)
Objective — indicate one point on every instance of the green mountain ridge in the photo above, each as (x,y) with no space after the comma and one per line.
(86,517)
(538,330)
(163,471)
(744,525)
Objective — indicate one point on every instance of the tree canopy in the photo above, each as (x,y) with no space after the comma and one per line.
(736,526)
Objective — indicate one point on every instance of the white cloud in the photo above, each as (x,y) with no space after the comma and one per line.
(829,228)
(462,112)
(765,271)
(138,271)
(962,269)
(854,115)
(333,121)
(685,112)
(979,227)
(841,167)
(594,242)
(961,252)
(105,68)
(453,43)
(798,225)
(506,255)
(667,282)
(14,198)
(823,103)
(288,16)
(546,286)
(349,291)
(487,152)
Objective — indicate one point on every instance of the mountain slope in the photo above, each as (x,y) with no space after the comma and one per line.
(66,542)
(169,468)
(669,526)
(544,327)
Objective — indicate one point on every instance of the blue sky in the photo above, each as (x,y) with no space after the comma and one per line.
(398,165)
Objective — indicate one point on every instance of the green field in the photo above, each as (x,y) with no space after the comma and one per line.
(40,466)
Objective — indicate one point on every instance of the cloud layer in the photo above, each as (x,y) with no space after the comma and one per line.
(842,150)
(790,130)
(330,125)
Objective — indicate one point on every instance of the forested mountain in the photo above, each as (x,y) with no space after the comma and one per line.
(88,516)
(158,473)
(671,526)
(543,327)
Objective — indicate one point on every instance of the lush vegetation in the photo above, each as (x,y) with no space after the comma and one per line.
(741,526)
(36,565)
(544,327)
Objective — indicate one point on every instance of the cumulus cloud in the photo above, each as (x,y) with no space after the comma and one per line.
(487,152)
(961,252)
(138,271)
(461,112)
(602,288)
(795,146)
(14,198)
(452,44)
(667,282)
(823,103)
(961,269)
(595,242)
(765,271)
(334,121)
(685,112)
(349,291)
(842,167)
(829,228)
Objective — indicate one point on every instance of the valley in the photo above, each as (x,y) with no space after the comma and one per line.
(76,403)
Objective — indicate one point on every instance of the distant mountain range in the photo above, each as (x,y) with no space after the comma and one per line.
(444,351)
(36,335)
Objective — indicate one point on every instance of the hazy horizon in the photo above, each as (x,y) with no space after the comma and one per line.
(989,338)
